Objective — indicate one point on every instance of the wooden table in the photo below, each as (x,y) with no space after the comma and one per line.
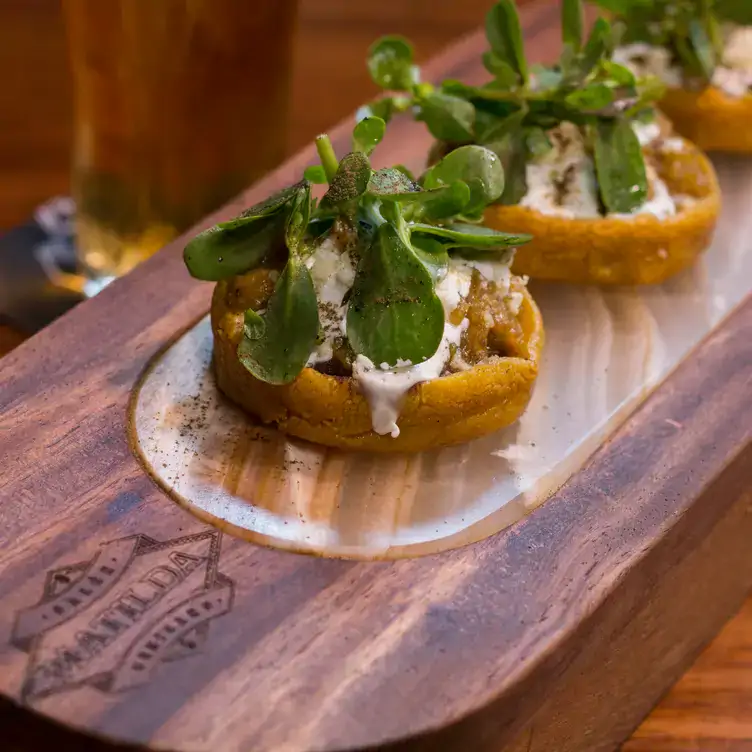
(711,707)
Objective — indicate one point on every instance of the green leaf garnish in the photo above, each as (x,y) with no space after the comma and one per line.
(239,245)
(448,118)
(620,166)
(479,168)
(350,181)
(505,36)
(460,235)
(315,174)
(703,47)
(390,63)
(432,253)
(571,23)
(298,218)
(277,350)
(368,134)
(591,98)
(391,180)
(394,313)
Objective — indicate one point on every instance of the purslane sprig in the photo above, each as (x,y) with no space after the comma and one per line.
(511,113)
(405,233)
(689,29)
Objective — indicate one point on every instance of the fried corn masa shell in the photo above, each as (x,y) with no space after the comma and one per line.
(330,410)
(639,250)
(711,119)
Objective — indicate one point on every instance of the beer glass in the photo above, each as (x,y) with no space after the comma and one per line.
(179,105)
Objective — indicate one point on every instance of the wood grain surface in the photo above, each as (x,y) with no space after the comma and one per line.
(710,709)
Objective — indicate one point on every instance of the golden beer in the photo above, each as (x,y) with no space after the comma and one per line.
(179,105)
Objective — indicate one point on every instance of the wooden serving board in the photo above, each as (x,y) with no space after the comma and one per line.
(124,615)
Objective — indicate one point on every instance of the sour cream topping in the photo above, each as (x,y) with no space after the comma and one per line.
(562,182)
(333,274)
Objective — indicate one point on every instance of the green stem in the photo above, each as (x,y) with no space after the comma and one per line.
(327,156)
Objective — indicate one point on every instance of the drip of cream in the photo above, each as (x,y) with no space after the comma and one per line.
(385,389)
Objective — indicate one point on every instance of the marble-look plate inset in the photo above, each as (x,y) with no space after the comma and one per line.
(605,350)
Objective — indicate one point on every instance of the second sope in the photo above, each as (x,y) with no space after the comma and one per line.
(593,172)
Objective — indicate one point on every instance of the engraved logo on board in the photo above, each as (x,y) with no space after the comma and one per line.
(111,621)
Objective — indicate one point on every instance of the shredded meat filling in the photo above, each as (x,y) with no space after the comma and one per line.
(492,326)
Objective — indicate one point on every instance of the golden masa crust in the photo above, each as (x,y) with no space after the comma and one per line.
(711,119)
(330,410)
(612,251)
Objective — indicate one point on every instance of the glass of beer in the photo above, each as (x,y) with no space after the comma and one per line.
(179,105)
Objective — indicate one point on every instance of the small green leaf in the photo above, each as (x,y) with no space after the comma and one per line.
(505,36)
(599,44)
(368,133)
(461,235)
(509,143)
(545,78)
(703,48)
(620,166)
(391,180)
(476,166)
(315,174)
(390,62)
(277,351)
(350,181)
(435,204)
(272,205)
(505,75)
(253,324)
(571,23)
(298,218)
(591,98)
(217,253)
(432,254)
(381,108)
(448,118)
(393,313)
(619,74)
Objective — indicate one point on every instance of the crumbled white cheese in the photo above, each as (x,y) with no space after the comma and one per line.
(515,302)
(736,83)
(333,274)
(673,144)
(737,52)
(385,390)
(733,76)
(647,132)
(455,285)
(647,60)
(563,183)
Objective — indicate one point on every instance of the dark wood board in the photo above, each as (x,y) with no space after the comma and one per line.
(559,633)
